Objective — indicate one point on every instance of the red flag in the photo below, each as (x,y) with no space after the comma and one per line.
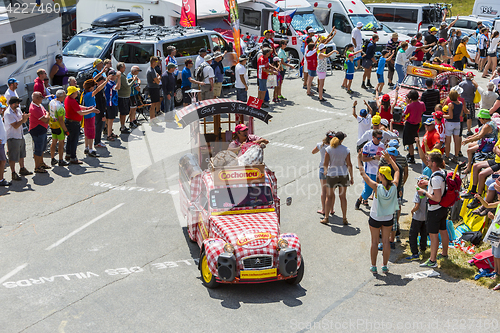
(188,13)
(235,23)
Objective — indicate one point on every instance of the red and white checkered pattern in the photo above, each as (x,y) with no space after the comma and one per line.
(214,247)
(294,243)
(195,187)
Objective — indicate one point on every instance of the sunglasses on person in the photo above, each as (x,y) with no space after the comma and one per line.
(379,137)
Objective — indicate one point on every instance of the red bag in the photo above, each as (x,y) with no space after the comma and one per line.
(451,190)
(483,260)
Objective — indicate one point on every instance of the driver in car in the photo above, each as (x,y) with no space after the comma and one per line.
(240,136)
(255,197)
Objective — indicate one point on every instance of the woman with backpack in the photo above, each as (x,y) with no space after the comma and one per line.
(437,214)
(385,204)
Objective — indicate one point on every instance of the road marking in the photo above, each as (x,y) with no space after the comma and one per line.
(12,273)
(422,275)
(133,188)
(65,238)
(292,127)
(286,145)
(326,111)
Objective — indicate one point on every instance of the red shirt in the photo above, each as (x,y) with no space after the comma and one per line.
(432,138)
(36,112)
(419,54)
(312,60)
(385,113)
(262,63)
(415,111)
(72,107)
(40,87)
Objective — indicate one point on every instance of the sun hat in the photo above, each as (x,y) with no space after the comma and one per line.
(429,121)
(276,59)
(470,74)
(484,114)
(393,143)
(321,46)
(395,35)
(243,57)
(392,151)
(217,54)
(240,128)
(386,97)
(384,122)
(311,31)
(439,114)
(376,120)
(386,171)
(359,24)
(208,57)
(171,65)
(363,112)
(72,90)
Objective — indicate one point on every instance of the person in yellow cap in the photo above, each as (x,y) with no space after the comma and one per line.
(100,69)
(386,135)
(430,40)
(74,117)
(385,204)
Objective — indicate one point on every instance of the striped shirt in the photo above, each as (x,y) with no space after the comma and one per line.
(430,97)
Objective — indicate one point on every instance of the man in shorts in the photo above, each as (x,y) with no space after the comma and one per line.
(263,71)
(367,62)
(469,87)
(14,119)
(187,81)
(135,99)
(153,79)
(58,127)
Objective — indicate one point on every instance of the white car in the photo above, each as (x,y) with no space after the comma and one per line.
(468,24)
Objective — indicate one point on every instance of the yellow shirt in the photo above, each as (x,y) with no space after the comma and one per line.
(497,158)
(461,52)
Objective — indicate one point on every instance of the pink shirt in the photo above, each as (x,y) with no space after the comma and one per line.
(40,87)
(37,112)
(415,111)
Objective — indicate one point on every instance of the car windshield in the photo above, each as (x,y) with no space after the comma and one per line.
(386,28)
(85,46)
(415,81)
(301,20)
(231,197)
(369,21)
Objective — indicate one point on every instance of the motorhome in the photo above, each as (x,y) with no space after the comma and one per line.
(407,18)
(24,50)
(486,8)
(344,15)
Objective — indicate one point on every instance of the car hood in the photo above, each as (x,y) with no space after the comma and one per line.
(247,231)
(403,91)
(75,64)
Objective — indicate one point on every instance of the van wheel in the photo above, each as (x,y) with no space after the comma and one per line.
(293,54)
(178,96)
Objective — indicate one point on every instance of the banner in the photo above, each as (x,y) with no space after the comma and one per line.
(188,13)
(235,23)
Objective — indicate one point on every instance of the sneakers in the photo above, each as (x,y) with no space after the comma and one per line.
(410,159)
(53,162)
(398,239)
(93,153)
(469,133)
(133,125)
(100,145)
(413,257)
(15,176)
(390,84)
(357,204)
(441,256)
(349,91)
(24,172)
(63,163)
(369,85)
(124,130)
(363,86)
(373,269)
(86,151)
(4,182)
(385,269)
(468,195)
(429,263)
(474,204)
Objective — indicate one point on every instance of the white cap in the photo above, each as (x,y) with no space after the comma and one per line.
(311,31)
(359,25)
(276,59)
(321,46)
(458,89)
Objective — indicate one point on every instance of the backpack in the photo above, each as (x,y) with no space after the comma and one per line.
(483,260)
(198,73)
(365,45)
(474,237)
(451,190)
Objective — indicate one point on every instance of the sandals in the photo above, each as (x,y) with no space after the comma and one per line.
(365,202)
(40,170)
(344,220)
(320,212)
(111,138)
(324,221)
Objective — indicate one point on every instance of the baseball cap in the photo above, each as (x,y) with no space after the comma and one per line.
(202,50)
(441,40)
(276,59)
(111,72)
(59,56)
(330,134)
(97,62)
(429,121)
(271,31)
(443,24)
(386,97)
(484,114)
(363,112)
(351,55)
(392,151)
(393,143)
(470,74)
(311,31)
(445,109)
(376,120)
(240,127)
(72,90)
(438,114)
(243,57)
(384,122)
(434,29)
(435,151)
(208,57)
(217,54)
(386,171)
(2,106)
(359,24)
(12,80)
(171,65)
(340,135)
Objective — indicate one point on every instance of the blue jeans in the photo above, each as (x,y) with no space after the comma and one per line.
(241,94)
(417,63)
(367,191)
(169,103)
(401,73)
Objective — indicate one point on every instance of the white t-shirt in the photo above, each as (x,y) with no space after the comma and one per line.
(435,183)
(322,149)
(208,72)
(364,124)
(370,149)
(9,93)
(13,116)
(493,45)
(240,70)
(199,61)
(3,136)
(356,34)
(488,98)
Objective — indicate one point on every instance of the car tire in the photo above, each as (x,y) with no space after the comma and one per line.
(300,274)
(206,276)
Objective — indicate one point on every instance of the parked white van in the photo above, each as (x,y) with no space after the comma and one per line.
(486,8)
(344,15)
(407,18)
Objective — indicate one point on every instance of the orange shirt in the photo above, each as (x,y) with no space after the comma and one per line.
(432,138)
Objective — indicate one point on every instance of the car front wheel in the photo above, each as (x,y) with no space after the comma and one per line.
(206,275)
(300,274)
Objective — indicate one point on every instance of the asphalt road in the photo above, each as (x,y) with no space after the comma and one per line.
(100,247)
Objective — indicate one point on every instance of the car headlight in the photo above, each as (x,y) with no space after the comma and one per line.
(229,248)
(282,243)
(85,73)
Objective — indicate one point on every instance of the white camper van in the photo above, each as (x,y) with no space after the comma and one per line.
(344,15)
(407,18)
(24,51)
(486,8)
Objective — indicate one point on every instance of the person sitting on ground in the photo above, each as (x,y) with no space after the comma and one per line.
(486,137)
(385,107)
(490,196)
(419,216)
(240,136)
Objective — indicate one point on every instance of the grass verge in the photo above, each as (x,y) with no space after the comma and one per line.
(462,8)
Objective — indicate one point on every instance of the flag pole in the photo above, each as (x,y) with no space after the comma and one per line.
(195,13)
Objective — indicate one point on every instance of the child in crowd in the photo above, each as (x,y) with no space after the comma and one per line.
(364,119)
(348,50)
(439,121)
(277,90)
(419,216)
(88,98)
(349,74)
(386,56)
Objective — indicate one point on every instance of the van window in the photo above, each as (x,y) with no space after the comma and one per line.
(384,14)
(8,53)
(189,46)
(405,15)
(157,20)
(123,10)
(276,24)
(29,45)
(341,23)
(323,15)
(133,53)
(250,17)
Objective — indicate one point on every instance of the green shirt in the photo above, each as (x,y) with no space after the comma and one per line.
(125,86)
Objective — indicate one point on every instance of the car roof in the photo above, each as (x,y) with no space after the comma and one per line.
(157,33)
(398,4)
(107,31)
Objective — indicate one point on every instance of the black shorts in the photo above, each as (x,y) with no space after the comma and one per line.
(186,99)
(111,111)
(436,220)
(379,224)
(493,165)
(135,101)
(483,53)
(124,105)
(472,110)
(154,94)
(410,131)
